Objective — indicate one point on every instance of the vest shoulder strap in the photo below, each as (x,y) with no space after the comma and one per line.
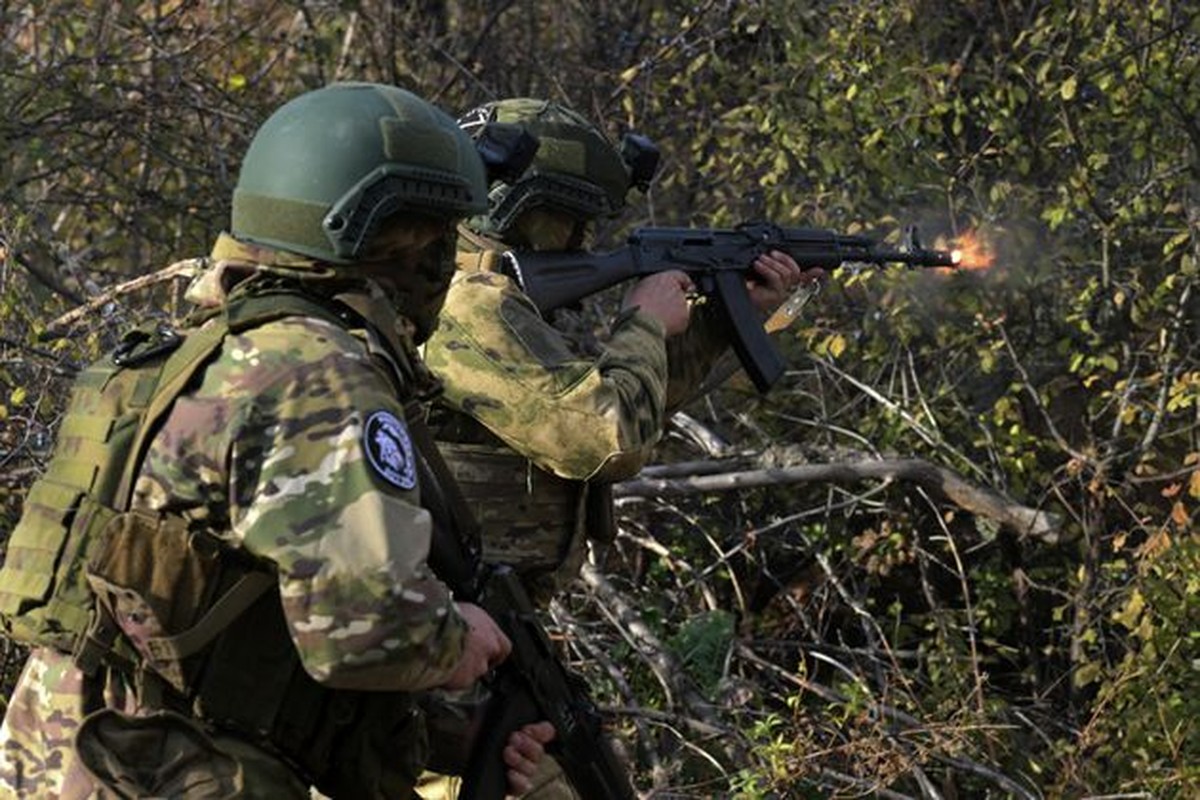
(245,311)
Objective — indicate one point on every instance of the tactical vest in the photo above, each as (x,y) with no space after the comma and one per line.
(529,518)
(79,561)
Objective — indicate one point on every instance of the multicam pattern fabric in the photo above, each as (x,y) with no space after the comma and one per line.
(37,758)
(270,451)
(552,407)
(579,417)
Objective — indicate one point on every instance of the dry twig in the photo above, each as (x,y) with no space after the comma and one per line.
(187,268)
(1021,519)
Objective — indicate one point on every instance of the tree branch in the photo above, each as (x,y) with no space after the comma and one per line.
(1022,520)
(180,269)
(47,278)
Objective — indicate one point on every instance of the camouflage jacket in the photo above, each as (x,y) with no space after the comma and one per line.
(580,416)
(577,416)
(293,446)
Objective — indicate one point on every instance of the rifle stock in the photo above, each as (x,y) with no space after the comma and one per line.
(718,259)
(553,280)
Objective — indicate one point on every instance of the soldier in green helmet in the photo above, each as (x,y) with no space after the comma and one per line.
(534,424)
(259,610)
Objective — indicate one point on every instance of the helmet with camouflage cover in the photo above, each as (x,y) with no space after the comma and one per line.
(576,168)
(326,168)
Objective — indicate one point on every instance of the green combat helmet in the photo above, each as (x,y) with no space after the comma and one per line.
(327,167)
(575,168)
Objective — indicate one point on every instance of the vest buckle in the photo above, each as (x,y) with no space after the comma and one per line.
(96,642)
(140,345)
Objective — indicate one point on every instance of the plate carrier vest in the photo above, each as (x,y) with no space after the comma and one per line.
(79,556)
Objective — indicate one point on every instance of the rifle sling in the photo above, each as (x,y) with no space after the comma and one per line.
(449,506)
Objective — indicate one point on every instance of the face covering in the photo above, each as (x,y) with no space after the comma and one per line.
(542,229)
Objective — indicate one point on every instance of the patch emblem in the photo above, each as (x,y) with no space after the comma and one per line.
(390,451)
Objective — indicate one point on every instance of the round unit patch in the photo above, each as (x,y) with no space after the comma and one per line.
(390,451)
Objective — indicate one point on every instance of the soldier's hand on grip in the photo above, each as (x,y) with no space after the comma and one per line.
(484,647)
(524,750)
(776,274)
(664,296)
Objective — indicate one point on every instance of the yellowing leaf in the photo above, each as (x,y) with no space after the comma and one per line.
(237,81)
(1176,241)
(18,396)
(1067,90)
(1179,514)
(1129,615)
(837,345)
(1194,484)
(1087,674)
(1156,545)
(852,92)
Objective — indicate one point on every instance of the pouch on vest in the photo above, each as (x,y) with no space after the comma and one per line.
(158,755)
(46,599)
(159,583)
(44,596)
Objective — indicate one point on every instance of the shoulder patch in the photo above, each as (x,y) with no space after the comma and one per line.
(390,450)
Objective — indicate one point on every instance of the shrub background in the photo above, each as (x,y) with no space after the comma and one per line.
(830,638)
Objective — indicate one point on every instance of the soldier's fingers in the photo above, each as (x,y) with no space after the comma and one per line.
(501,649)
(522,754)
(770,274)
(518,784)
(542,732)
(770,262)
(784,260)
(813,275)
(528,747)
(783,265)
(684,281)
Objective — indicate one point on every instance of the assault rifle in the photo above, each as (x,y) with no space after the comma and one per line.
(533,685)
(717,259)
(530,685)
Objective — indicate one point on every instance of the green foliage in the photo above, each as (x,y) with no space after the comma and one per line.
(1063,136)
(702,646)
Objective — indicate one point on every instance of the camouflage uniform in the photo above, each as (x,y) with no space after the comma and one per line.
(572,418)
(272,449)
(534,424)
(261,611)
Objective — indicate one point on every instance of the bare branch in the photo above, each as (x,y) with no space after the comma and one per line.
(1022,520)
(187,268)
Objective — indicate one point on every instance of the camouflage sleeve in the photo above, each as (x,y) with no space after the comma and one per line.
(323,484)
(576,416)
(691,356)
